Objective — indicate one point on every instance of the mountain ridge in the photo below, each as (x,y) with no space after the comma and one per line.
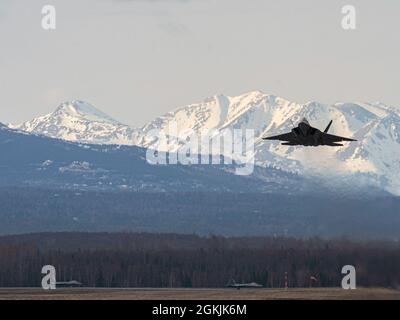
(376,126)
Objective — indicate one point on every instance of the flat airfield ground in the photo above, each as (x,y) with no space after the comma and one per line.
(198,294)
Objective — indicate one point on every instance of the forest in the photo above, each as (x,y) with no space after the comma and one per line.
(27,210)
(176,260)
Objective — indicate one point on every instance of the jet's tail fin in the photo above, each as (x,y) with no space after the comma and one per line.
(327,128)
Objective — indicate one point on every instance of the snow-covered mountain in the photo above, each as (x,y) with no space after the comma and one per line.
(373,159)
(81,122)
(28,160)
(54,185)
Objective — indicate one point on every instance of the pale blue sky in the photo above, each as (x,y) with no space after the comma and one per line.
(137,59)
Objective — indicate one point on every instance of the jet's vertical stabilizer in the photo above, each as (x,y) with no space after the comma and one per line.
(327,128)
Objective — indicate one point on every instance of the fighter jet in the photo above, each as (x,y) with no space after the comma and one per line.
(305,135)
(233,284)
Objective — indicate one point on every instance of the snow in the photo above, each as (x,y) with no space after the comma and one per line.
(80,122)
(375,125)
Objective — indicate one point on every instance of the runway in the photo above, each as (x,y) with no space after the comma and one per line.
(198,294)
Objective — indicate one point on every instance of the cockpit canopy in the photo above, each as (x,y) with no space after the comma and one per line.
(304,120)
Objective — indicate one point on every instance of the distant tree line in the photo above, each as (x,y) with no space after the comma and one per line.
(26,210)
(172,260)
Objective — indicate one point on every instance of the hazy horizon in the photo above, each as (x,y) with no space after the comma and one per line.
(138,59)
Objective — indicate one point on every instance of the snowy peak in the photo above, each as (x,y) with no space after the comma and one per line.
(84,110)
(221,111)
(79,121)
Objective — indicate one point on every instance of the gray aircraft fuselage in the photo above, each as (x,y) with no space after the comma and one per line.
(306,135)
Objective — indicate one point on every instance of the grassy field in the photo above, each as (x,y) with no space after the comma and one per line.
(198,294)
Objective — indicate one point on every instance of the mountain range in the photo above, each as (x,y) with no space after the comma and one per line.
(30,160)
(79,169)
(372,161)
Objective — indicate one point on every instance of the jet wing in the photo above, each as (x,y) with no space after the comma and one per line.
(330,138)
(283,137)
